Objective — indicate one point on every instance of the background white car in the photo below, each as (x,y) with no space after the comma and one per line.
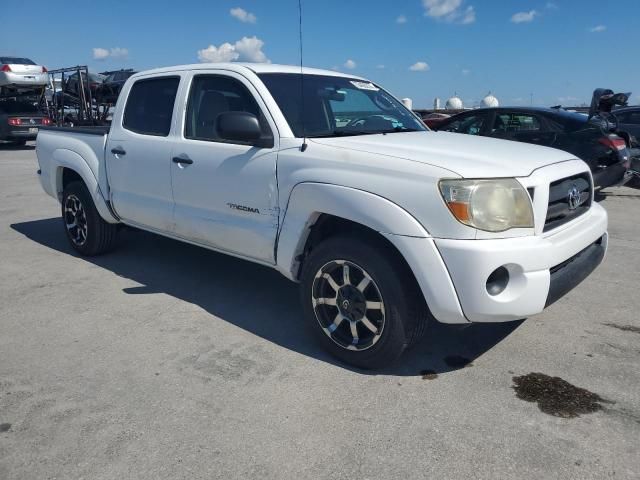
(16,72)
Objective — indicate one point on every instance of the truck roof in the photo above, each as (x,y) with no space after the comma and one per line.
(254,67)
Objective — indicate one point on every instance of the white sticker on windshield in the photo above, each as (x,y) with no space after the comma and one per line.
(364,85)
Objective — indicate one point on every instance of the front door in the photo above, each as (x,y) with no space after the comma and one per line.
(225,192)
(138,155)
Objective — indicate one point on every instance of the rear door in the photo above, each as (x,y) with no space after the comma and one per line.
(522,127)
(225,192)
(138,154)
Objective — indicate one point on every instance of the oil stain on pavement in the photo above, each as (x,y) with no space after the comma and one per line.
(556,396)
(5,427)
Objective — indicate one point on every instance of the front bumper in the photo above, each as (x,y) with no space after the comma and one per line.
(529,261)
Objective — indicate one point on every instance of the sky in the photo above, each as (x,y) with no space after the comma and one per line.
(522,51)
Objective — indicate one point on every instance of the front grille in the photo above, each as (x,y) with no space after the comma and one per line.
(563,194)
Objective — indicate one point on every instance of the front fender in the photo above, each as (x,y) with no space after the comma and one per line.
(308,201)
(63,158)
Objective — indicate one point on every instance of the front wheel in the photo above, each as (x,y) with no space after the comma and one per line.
(361,301)
(87,232)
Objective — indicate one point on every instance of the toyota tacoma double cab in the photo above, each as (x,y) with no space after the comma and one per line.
(330,180)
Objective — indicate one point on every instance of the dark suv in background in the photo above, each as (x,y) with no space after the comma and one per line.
(110,88)
(606,153)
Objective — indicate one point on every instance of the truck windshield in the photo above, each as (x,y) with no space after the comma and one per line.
(337,106)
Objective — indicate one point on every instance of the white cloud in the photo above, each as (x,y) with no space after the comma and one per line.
(224,53)
(247,49)
(551,6)
(469,16)
(419,67)
(380,67)
(524,17)
(242,15)
(350,64)
(466,71)
(100,53)
(401,19)
(250,49)
(452,11)
(104,53)
(598,29)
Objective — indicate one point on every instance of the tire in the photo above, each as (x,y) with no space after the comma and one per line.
(398,315)
(87,232)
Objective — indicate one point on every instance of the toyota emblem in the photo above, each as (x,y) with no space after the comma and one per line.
(574,197)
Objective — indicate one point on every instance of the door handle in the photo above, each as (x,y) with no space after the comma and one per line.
(187,161)
(118,151)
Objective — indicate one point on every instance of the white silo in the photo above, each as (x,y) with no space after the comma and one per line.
(407,102)
(454,103)
(490,101)
(436,103)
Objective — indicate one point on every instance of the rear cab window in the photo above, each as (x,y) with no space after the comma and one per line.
(150,105)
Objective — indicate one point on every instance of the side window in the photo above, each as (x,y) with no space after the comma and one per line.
(632,118)
(212,95)
(469,124)
(150,106)
(515,122)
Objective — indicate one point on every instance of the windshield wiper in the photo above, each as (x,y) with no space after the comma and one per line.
(341,133)
(400,129)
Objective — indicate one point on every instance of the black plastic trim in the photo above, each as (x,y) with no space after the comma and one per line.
(97,130)
(568,274)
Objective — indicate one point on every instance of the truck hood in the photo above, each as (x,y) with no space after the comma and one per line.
(466,155)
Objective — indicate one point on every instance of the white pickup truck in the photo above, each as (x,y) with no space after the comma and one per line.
(330,180)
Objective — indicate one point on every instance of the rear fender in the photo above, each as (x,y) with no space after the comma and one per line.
(62,159)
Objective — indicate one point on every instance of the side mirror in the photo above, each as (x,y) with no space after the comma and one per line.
(241,127)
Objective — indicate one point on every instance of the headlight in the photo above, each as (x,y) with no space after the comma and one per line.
(492,205)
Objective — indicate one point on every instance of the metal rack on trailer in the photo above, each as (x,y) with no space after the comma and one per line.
(69,108)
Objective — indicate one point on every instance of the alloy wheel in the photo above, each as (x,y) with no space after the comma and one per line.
(348,305)
(75,220)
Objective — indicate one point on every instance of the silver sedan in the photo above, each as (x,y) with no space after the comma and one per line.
(18,72)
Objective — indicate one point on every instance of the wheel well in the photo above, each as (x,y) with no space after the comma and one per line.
(68,176)
(327,226)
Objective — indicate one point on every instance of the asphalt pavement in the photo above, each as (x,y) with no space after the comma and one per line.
(162,360)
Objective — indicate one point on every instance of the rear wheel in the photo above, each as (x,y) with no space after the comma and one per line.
(87,232)
(361,301)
